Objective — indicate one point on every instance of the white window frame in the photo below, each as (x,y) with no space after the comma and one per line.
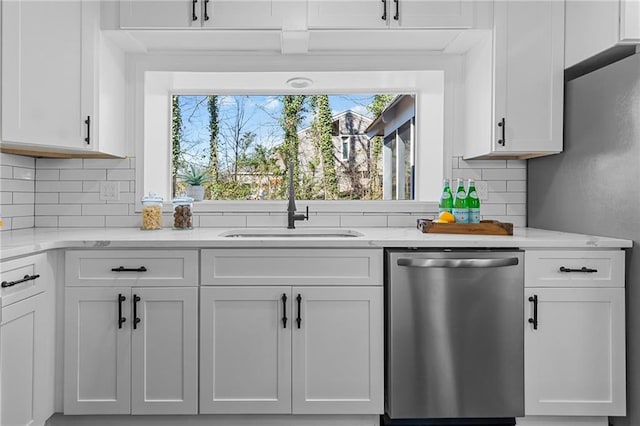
(157,78)
(345,140)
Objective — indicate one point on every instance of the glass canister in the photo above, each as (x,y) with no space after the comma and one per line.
(151,211)
(182,214)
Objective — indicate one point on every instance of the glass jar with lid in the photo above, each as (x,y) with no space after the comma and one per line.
(182,214)
(151,211)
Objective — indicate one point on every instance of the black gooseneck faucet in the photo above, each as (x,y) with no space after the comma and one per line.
(291,209)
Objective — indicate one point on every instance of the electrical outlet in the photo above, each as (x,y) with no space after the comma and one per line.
(109,191)
(482,190)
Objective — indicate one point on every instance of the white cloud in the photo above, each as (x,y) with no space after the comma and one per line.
(272,103)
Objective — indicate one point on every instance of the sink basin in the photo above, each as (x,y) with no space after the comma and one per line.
(291,233)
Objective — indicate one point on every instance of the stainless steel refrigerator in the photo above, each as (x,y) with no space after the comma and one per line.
(593,186)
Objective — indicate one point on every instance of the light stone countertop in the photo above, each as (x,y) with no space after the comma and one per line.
(28,241)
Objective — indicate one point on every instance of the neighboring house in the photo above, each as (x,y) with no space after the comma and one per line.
(396,124)
(352,154)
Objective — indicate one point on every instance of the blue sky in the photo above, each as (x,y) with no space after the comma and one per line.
(261,117)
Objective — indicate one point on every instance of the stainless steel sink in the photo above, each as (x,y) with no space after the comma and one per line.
(291,233)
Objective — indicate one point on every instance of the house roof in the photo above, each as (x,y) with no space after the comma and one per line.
(338,116)
(377,126)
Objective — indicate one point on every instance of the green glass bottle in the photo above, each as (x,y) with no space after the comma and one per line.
(473,202)
(446,198)
(460,208)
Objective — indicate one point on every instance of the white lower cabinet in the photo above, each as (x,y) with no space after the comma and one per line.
(131,350)
(288,349)
(575,352)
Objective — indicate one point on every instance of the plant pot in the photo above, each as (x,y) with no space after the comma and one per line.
(196,192)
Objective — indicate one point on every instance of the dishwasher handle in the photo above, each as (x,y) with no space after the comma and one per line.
(458,263)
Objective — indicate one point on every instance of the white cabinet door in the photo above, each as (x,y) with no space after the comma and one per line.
(97,351)
(515,83)
(575,359)
(164,351)
(44,85)
(529,76)
(24,361)
(373,14)
(140,14)
(253,14)
(245,350)
(338,350)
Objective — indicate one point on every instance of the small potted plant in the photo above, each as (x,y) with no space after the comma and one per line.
(195,178)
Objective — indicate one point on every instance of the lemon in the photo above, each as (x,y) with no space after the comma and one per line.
(446,217)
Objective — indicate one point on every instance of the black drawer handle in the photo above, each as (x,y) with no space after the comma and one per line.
(384,10)
(534,320)
(206,12)
(299,318)
(503,126)
(23,280)
(396,17)
(284,310)
(88,123)
(194,17)
(123,269)
(136,320)
(583,269)
(121,319)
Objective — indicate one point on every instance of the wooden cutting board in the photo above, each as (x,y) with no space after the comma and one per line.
(485,227)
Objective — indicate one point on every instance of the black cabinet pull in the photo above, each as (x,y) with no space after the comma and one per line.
(384,10)
(206,11)
(121,319)
(88,123)
(136,320)
(284,310)
(194,17)
(299,318)
(396,17)
(502,125)
(26,278)
(583,269)
(123,269)
(534,320)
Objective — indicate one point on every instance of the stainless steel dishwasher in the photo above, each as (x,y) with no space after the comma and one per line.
(454,334)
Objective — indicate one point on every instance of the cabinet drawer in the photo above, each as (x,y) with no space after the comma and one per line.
(559,268)
(292,267)
(24,277)
(131,267)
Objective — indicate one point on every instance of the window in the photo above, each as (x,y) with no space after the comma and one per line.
(426,89)
(243,145)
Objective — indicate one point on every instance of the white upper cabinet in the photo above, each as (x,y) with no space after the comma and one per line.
(63,82)
(145,14)
(594,26)
(372,14)
(514,83)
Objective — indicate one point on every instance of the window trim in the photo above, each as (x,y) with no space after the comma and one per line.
(413,78)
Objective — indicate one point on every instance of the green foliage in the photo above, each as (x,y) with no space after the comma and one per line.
(177,162)
(212,106)
(194,176)
(379,103)
(327,150)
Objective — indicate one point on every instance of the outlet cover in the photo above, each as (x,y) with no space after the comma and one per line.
(482,190)
(109,191)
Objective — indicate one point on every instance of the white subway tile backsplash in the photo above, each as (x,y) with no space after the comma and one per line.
(65,192)
(46,222)
(47,198)
(58,186)
(23,173)
(6,223)
(104,209)
(72,174)
(24,198)
(517,186)
(16,185)
(58,209)
(6,172)
(81,221)
(106,163)
(48,174)
(58,163)
(363,221)
(504,174)
(482,164)
(80,198)
(227,221)
(118,174)
(17,160)
(22,222)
